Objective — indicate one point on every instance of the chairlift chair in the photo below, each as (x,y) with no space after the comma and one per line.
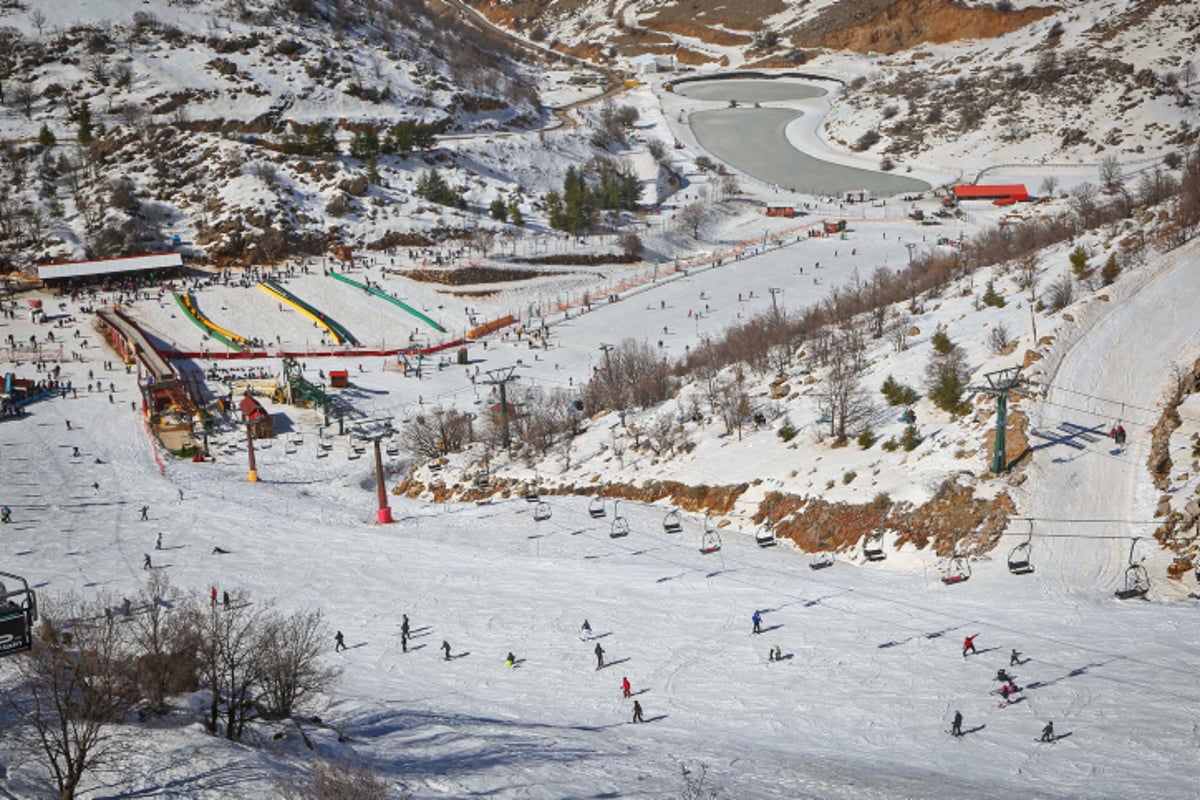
(873,547)
(620,525)
(673,522)
(765,537)
(710,542)
(1137,580)
(289,447)
(596,507)
(1018,559)
(482,479)
(392,448)
(822,557)
(541,511)
(958,569)
(531,492)
(18,612)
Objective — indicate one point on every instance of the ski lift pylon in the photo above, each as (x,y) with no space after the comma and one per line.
(1137,580)
(620,525)
(1019,562)
(672,522)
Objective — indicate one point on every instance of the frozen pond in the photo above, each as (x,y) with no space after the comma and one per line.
(748,90)
(755,139)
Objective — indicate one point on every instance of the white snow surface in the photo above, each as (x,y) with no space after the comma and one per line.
(872,669)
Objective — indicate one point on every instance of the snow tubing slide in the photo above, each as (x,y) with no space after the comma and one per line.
(390,299)
(226,337)
(338,332)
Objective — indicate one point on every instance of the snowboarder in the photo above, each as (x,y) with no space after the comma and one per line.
(599,656)
(757,619)
(446,649)
(956,726)
(340,642)
(1048,732)
(6,515)
(511,660)
(158,541)
(969,644)
(637,712)
(625,687)
(146,561)
(145,513)
(585,632)
(212,596)
(1014,659)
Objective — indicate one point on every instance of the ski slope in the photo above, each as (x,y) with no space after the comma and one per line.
(872,669)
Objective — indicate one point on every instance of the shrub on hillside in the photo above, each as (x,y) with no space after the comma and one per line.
(991,297)
(1110,270)
(910,438)
(867,438)
(898,394)
(868,140)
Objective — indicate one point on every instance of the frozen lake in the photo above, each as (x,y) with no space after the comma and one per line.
(755,140)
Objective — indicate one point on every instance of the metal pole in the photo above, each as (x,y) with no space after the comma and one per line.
(252,475)
(999,456)
(384,514)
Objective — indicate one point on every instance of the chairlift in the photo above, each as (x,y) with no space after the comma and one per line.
(482,479)
(958,569)
(1018,559)
(18,612)
(1137,580)
(392,448)
(822,557)
(289,447)
(710,542)
(530,493)
(873,547)
(673,522)
(596,507)
(541,511)
(620,525)
(765,537)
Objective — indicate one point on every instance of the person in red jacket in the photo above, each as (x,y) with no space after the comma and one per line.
(969,644)
(625,686)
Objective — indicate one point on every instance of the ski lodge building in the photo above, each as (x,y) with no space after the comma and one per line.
(155,266)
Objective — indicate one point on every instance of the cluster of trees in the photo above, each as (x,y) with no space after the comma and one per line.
(602,184)
(434,188)
(97,662)
(402,139)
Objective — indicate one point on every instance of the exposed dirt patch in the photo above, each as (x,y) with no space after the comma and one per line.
(705,34)
(813,523)
(466,276)
(883,26)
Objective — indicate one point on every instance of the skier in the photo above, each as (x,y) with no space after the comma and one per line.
(146,561)
(181,495)
(625,687)
(956,726)
(585,632)
(96,487)
(1001,675)
(969,644)
(1005,692)
(158,541)
(511,660)
(637,712)
(757,619)
(403,641)
(212,596)
(6,515)
(776,654)
(1014,658)
(1048,732)
(599,656)
(340,642)
(446,649)
(145,513)
(68,424)
(225,599)
(404,626)
(1120,437)
(75,452)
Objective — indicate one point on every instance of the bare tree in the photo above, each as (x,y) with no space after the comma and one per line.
(841,398)
(437,432)
(1049,185)
(75,687)
(292,669)
(162,637)
(347,779)
(231,663)
(691,217)
(1110,173)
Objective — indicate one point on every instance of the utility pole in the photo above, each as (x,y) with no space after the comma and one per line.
(605,348)
(500,377)
(775,291)
(1000,384)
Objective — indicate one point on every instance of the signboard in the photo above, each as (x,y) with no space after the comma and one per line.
(16,633)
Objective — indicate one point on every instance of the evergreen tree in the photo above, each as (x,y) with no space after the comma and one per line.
(84,117)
